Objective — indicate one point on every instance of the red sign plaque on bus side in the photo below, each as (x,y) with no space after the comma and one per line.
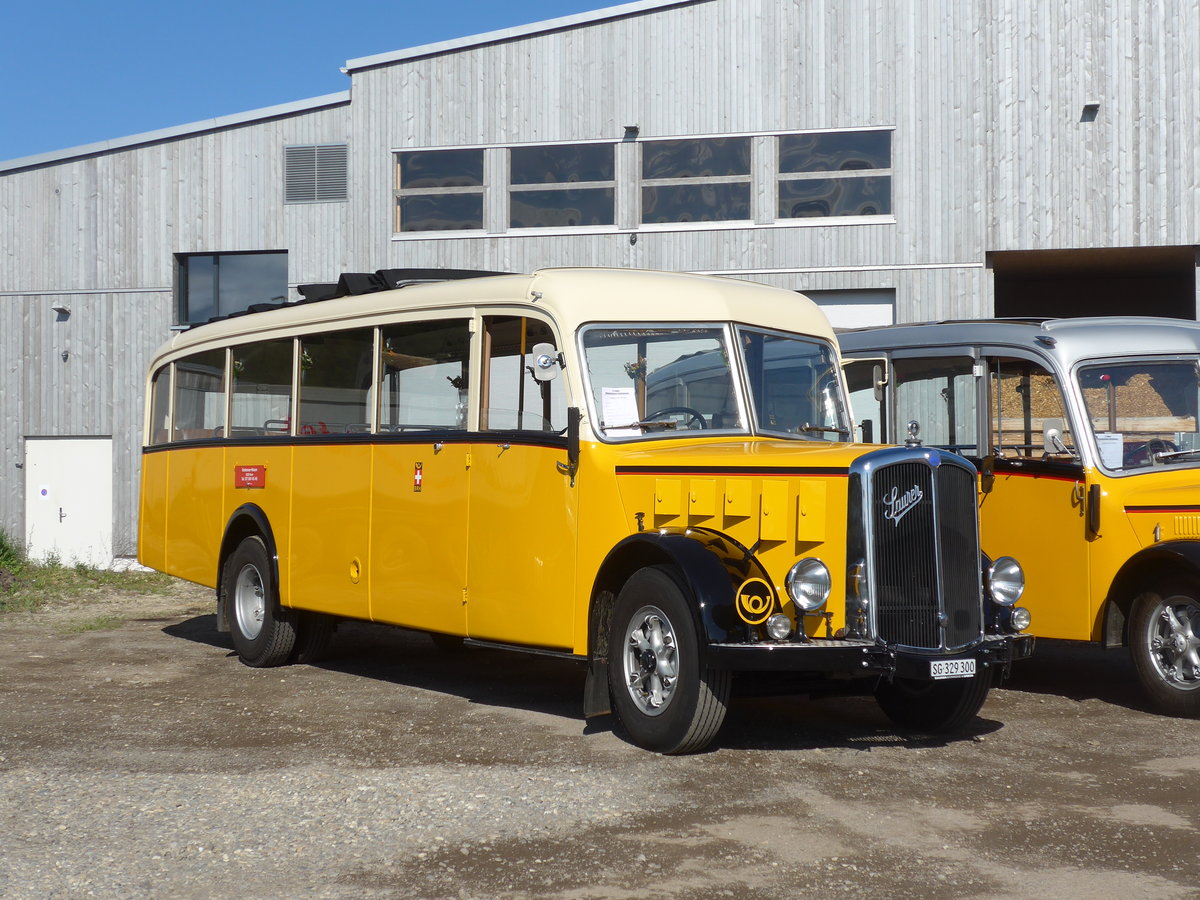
(249,476)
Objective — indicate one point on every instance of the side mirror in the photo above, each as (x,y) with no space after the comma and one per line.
(879,379)
(547,362)
(571,466)
(987,472)
(1052,442)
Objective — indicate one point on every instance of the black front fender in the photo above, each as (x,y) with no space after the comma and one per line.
(1147,567)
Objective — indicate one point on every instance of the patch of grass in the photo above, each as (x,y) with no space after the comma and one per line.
(26,585)
(10,554)
(100,623)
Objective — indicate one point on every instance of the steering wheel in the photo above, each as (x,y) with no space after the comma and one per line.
(692,415)
(1144,453)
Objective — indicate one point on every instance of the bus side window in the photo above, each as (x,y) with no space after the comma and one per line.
(869,413)
(425,369)
(512,399)
(1022,396)
(262,389)
(199,397)
(160,406)
(335,381)
(939,393)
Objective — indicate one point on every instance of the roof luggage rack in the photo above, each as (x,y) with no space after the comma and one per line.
(351,284)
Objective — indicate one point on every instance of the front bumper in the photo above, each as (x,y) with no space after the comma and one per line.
(863,657)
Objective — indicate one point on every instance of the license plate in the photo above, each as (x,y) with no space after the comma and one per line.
(952,668)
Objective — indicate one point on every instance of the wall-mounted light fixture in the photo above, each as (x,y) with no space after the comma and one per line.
(61,313)
(1091,109)
(631,133)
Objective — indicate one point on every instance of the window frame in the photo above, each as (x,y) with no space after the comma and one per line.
(764,180)
(782,178)
(749,179)
(512,187)
(738,385)
(399,193)
(183,277)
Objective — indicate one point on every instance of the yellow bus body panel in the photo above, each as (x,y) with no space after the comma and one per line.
(195,517)
(273,498)
(330,533)
(521,546)
(418,550)
(152,512)
(774,497)
(1041,522)
(1131,510)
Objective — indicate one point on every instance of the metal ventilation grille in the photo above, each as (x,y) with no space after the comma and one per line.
(926,555)
(958,547)
(906,555)
(315,173)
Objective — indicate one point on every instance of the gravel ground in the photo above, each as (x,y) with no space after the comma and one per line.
(147,762)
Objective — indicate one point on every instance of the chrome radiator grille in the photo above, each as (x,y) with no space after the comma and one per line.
(922,542)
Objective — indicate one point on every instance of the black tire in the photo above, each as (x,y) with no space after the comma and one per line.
(1164,640)
(264,633)
(934,706)
(666,699)
(314,634)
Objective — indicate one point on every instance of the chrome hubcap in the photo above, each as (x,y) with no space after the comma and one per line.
(1174,638)
(249,604)
(650,660)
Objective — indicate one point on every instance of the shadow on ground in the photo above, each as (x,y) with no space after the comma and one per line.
(759,718)
(1079,672)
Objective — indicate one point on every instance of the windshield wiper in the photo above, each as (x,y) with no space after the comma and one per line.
(824,428)
(1175,454)
(645,425)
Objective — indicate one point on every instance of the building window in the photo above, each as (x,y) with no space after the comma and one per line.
(439,190)
(209,285)
(696,180)
(844,173)
(563,186)
(315,174)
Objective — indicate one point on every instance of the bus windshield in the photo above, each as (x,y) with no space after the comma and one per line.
(1143,413)
(686,378)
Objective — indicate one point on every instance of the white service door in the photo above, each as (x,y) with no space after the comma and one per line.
(68,500)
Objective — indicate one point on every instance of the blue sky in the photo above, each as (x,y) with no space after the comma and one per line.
(73,73)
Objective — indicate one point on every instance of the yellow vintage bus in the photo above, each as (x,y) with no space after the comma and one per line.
(646,473)
(1086,433)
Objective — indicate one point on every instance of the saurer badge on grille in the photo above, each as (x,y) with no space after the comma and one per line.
(896,505)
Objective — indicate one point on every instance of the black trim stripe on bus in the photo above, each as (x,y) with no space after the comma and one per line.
(734,470)
(1043,468)
(516,438)
(1181,508)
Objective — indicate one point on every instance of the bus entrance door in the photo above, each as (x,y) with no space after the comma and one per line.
(419,535)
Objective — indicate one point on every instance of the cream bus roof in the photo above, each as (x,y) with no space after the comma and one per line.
(572,297)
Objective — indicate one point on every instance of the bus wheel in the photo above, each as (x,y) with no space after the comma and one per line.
(1164,638)
(938,706)
(666,700)
(264,633)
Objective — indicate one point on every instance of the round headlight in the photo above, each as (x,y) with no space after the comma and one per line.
(1019,618)
(808,584)
(1006,581)
(779,627)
